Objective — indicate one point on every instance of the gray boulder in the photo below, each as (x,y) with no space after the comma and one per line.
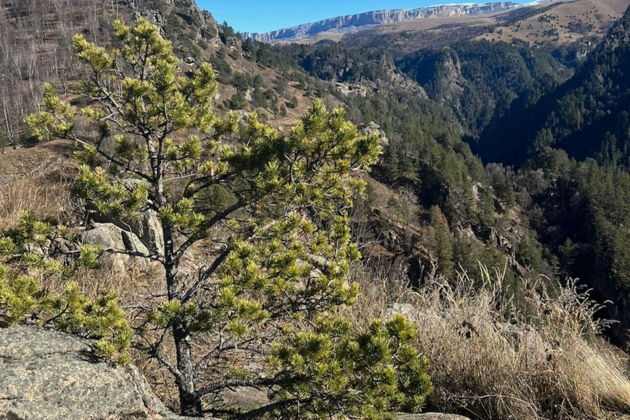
(110,236)
(51,375)
(147,227)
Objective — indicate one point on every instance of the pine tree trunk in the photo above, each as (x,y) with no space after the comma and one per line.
(189,401)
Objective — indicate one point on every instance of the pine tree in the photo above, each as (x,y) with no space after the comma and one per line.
(269,209)
(443,242)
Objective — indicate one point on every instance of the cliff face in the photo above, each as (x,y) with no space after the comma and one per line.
(380,17)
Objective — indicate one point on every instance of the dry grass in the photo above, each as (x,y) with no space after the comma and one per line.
(36,179)
(595,16)
(47,196)
(493,357)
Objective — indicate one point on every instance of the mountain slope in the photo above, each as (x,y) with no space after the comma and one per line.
(479,80)
(587,116)
(569,29)
(36,43)
(561,24)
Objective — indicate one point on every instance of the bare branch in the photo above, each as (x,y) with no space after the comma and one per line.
(233,383)
(153,257)
(203,277)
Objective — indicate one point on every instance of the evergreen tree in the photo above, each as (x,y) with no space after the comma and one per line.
(270,210)
(443,242)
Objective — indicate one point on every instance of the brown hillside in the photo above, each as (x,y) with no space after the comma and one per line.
(566,23)
(580,23)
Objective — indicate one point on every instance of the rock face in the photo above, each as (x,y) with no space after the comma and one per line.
(110,236)
(380,17)
(51,375)
(147,228)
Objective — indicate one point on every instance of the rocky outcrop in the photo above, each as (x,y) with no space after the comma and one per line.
(108,236)
(47,374)
(146,227)
(193,24)
(373,129)
(51,375)
(380,17)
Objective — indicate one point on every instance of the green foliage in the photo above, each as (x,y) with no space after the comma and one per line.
(587,219)
(273,207)
(266,55)
(293,102)
(365,374)
(470,254)
(56,121)
(226,33)
(529,253)
(24,260)
(109,198)
(443,242)
(237,101)
(334,62)
(102,318)
(502,183)
(19,296)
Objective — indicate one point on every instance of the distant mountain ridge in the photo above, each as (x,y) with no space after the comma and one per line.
(379,17)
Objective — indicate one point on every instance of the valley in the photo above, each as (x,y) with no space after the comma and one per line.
(495,211)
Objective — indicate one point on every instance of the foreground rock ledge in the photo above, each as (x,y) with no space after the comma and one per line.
(47,374)
(51,375)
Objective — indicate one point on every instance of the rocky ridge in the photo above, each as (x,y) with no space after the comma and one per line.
(379,17)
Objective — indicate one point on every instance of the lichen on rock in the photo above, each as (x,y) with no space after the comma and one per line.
(47,374)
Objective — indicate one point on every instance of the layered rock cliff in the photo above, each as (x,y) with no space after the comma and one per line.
(379,17)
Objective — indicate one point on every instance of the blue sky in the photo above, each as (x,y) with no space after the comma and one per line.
(264,16)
